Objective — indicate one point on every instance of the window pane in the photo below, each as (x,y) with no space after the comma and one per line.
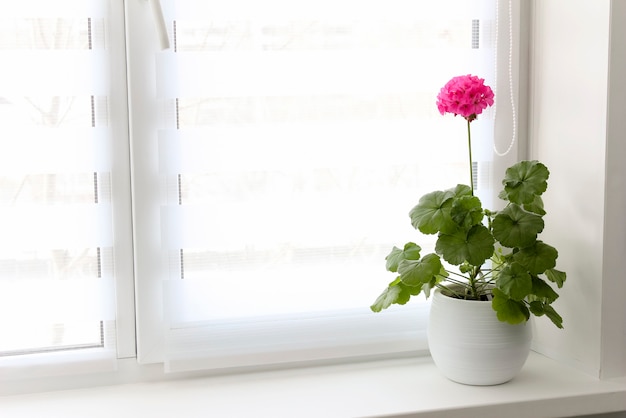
(292,139)
(302,143)
(56,251)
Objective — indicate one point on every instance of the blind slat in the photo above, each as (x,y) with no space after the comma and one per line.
(56,301)
(308,146)
(31,151)
(59,226)
(304,220)
(279,10)
(227,74)
(21,73)
(56,8)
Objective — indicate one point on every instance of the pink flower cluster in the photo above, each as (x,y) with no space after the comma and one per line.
(465,95)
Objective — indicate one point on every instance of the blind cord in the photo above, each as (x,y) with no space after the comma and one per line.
(510,76)
(159,20)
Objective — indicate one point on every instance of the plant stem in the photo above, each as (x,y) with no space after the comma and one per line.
(472,282)
(448,279)
(469,146)
(457,274)
(452,292)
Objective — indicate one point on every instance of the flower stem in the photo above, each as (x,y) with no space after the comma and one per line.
(469,146)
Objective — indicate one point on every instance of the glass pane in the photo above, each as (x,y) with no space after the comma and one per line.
(50,168)
(302,142)
(33,338)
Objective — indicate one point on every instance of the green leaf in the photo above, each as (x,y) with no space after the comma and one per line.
(543,291)
(525,180)
(515,282)
(498,258)
(536,308)
(466,211)
(540,308)
(396,292)
(537,258)
(474,246)
(426,288)
(554,316)
(514,227)
(431,214)
(420,272)
(411,251)
(536,206)
(556,276)
(394,257)
(509,310)
(460,190)
(465,267)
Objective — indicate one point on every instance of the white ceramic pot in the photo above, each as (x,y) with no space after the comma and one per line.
(470,346)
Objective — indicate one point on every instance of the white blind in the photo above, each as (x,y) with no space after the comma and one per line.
(56,245)
(294,138)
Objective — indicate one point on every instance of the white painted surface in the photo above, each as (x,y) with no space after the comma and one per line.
(404,387)
(613,343)
(569,79)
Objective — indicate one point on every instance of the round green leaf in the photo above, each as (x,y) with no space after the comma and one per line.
(474,246)
(514,227)
(525,180)
(460,190)
(411,251)
(420,272)
(432,213)
(509,310)
(536,206)
(515,282)
(394,257)
(537,258)
(394,293)
(466,211)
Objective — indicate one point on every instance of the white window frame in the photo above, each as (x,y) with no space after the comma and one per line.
(121,185)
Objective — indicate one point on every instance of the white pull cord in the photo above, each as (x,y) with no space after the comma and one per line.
(510,75)
(159,20)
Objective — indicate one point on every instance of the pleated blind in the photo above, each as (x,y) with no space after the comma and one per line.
(56,240)
(294,138)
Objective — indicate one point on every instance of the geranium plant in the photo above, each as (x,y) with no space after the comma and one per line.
(480,254)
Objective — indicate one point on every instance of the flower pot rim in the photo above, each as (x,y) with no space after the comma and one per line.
(438,291)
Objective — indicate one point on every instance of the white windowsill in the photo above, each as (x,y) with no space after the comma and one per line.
(401,387)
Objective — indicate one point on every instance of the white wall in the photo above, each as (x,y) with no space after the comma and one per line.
(613,347)
(569,79)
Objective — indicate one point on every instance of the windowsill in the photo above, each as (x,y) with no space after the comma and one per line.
(400,387)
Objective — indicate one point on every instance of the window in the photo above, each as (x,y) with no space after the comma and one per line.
(286,154)
(275,149)
(57,200)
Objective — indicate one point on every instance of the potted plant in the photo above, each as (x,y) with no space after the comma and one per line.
(489,272)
